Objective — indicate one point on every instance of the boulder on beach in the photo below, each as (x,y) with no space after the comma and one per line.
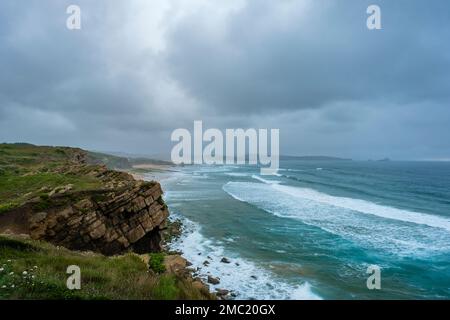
(213,280)
(222,293)
(225,260)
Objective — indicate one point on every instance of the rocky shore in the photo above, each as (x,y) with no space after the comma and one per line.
(174,230)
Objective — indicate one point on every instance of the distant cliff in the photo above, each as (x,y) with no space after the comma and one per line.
(313,158)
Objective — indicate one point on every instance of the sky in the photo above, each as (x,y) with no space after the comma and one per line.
(138,69)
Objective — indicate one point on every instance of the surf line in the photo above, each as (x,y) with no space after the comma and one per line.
(251,143)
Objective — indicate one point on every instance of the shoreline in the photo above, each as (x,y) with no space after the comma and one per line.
(146,171)
(176,229)
(243,277)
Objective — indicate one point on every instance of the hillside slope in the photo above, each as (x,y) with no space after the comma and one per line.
(56,195)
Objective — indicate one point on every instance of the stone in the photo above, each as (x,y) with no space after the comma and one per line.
(98,232)
(89,217)
(125,227)
(111,235)
(222,292)
(37,217)
(95,224)
(175,263)
(75,221)
(225,260)
(123,242)
(158,218)
(146,222)
(213,280)
(148,200)
(135,234)
(67,212)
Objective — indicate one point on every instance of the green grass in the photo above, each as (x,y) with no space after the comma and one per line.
(18,188)
(166,289)
(156,262)
(26,169)
(112,162)
(121,277)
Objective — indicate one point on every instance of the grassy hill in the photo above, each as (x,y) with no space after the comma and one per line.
(31,269)
(28,171)
(37,270)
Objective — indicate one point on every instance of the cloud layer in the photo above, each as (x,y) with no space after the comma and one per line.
(139,69)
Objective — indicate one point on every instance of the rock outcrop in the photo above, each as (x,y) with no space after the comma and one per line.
(114,213)
(106,221)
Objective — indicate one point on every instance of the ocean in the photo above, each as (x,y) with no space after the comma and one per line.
(311,231)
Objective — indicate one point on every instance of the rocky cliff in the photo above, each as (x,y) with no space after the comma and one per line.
(106,221)
(103,210)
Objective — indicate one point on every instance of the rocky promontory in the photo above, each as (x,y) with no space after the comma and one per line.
(106,221)
(63,206)
(102,210)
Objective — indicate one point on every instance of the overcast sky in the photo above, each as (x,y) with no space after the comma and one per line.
(137,70)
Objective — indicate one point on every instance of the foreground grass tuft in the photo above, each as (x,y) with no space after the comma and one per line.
(37,270)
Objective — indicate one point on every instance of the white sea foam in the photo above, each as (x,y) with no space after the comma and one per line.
(362,206)
(265,180)
(367,207)
(292,170)
(244,278)
(236,174)
(399,231)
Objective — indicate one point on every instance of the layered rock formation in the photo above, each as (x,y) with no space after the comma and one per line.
(106,221)
(108,211)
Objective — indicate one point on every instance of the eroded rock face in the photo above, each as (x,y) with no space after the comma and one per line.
(109,221)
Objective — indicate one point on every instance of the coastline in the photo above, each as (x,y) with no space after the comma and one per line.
(176,261)
(101,219)
(224,270)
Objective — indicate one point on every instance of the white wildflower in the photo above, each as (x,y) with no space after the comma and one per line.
(11,273)
(1,269)
(24,273)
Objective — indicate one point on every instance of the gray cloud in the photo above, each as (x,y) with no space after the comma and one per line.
(324,54)
(137,70)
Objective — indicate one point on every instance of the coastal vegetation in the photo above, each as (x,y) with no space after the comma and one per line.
(32,269)
(62,206)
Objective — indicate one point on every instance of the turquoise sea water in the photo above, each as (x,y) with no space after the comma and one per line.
(312,230)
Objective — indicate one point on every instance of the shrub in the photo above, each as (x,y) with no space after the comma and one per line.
(156,262)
